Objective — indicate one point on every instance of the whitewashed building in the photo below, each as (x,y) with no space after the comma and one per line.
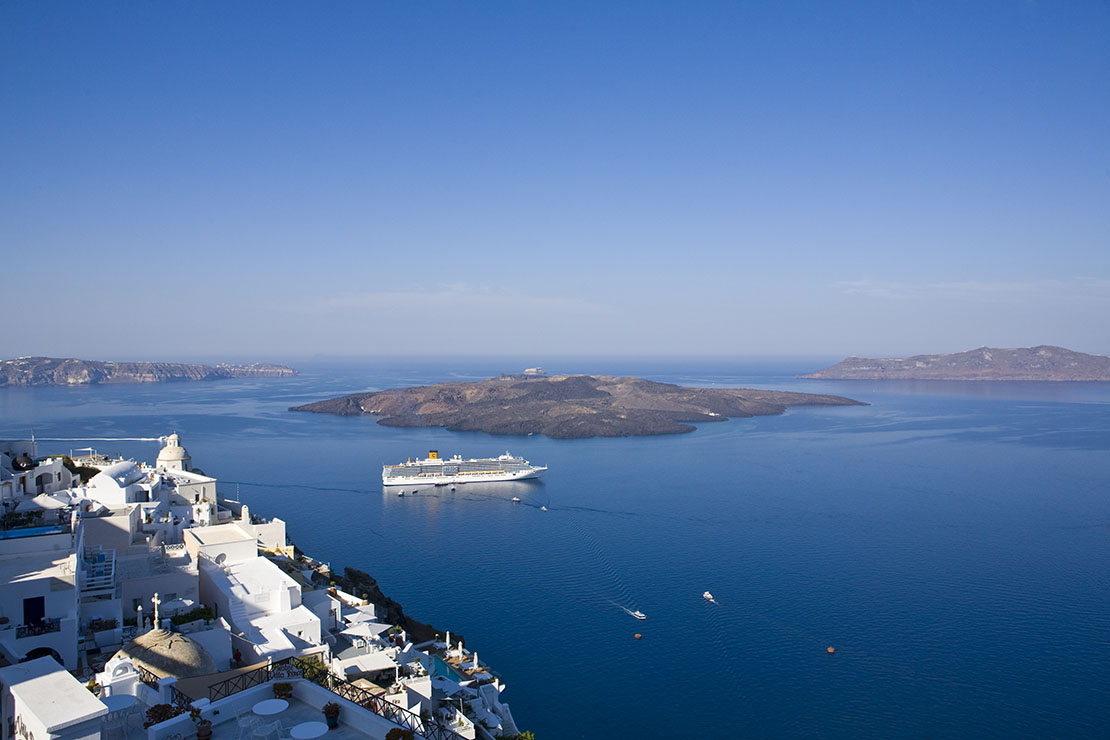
(41,701)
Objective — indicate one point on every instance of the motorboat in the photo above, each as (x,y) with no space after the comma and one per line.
(638,614)
(516,499)
(543,508)
(709,597)
(400,493)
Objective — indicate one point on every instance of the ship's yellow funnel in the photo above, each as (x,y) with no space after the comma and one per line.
(433,454)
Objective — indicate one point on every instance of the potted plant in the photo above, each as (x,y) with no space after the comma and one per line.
(283,690)
(204,726)
(331,714)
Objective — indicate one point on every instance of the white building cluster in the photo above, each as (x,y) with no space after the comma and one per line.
(144,582)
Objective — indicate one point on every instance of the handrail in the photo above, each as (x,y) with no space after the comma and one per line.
(34,630)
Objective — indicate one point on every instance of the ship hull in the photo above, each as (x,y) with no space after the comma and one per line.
(435,471)
(442,480)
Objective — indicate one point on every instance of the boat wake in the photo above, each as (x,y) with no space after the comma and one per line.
(637,613)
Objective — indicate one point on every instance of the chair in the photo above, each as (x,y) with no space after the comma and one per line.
(247,723)
(113,724)
(273,729)
(135,716)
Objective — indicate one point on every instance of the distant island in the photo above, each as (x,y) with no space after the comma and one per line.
(1043,363)
(565,406)
(54,371)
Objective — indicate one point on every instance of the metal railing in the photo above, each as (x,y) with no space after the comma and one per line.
(46,626)
(238,683)
(146,676)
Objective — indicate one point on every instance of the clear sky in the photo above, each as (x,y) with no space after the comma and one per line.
(282,180)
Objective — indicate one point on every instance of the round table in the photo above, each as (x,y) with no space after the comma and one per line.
(308,730)
(270,706)
(118,702)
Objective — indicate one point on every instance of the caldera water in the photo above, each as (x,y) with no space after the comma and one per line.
(950,541)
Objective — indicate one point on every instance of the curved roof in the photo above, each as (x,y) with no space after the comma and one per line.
(166,653)
(173,449)
(120,474)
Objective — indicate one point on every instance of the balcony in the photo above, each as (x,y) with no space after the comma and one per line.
(44,627)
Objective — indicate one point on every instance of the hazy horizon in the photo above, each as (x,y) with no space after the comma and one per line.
(281,180)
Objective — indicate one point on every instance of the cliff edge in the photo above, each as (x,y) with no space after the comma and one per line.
(54,371)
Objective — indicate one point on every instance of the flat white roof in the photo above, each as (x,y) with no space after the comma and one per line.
(49,692)
(220,534)
(32,566)
(259,574)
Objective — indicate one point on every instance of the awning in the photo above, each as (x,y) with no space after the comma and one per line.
(40,502)
(365,629)
(370,663)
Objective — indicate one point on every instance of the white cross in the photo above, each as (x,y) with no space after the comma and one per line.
(156,601)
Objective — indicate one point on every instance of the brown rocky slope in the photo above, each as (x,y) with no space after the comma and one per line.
(565,406)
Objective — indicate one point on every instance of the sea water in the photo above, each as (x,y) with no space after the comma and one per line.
(951,541)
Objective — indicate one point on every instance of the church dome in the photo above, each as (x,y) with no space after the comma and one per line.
(168,654)
(173,453)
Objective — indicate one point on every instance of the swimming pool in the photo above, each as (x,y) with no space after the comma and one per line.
(442,668)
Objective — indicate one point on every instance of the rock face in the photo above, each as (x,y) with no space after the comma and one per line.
(1042,363)
(565,406)
(53,371)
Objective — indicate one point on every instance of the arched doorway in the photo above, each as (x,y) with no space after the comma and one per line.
(41,652)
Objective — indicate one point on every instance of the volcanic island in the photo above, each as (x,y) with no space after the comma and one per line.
(566,406)
(1044,363)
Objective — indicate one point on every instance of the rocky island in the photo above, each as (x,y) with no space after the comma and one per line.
(1043,363)
(54,371)
(566,406)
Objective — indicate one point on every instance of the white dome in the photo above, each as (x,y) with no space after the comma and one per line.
(173,453)
(121,475)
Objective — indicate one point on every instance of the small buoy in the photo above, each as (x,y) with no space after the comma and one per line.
(830,650)
(637,635)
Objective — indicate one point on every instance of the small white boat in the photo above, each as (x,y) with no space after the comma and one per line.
(516,499)
(638,614)
(543,508)
(709,597)
(452,488)
(400,493)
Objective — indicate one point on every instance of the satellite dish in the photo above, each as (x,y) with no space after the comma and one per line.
(221,558)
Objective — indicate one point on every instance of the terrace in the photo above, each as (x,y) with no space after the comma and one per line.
(240,704)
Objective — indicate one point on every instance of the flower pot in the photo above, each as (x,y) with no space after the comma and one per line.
(333,720)
(204,730)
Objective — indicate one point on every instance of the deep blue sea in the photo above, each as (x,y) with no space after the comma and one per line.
(951,541)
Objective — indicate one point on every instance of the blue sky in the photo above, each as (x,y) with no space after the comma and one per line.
(285,180)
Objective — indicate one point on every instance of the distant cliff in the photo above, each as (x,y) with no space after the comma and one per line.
(1042,363)
(565,406)
(53,371)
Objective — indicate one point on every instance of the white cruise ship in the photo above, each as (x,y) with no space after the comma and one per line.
(438,471)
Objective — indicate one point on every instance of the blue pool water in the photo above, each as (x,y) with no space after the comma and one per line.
(29,532)
(441,668)
(951,541)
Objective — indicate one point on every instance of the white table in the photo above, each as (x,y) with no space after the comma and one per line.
(118,702)
(308,730)
(270,706)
